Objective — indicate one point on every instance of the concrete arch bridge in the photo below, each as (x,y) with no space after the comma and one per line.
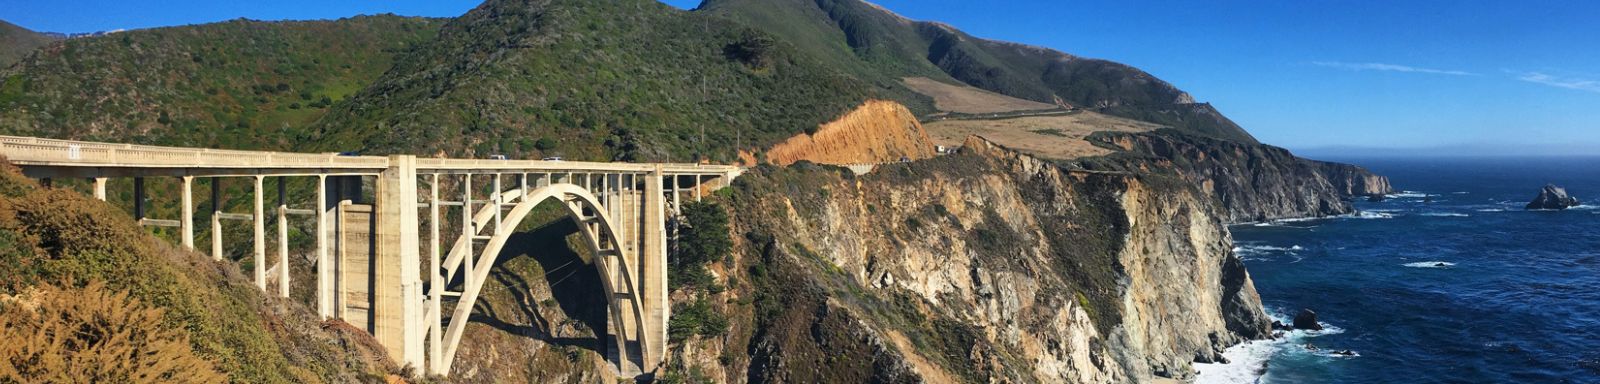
(385,260)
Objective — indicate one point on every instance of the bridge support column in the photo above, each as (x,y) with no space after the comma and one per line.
(187,211)
(258,216)
(653,262)
(324,265)
(138,200)
(100,188)
(283,237)
(435,342)
(216,218)
(397,289)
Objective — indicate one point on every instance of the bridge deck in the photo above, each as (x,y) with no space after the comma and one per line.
(39,152)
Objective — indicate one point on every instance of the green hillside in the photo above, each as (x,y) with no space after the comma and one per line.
(860,35)
(236,84)
(16,42)
(596,80)
(208,310)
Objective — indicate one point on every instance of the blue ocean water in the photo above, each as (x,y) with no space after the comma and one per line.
(1450,281)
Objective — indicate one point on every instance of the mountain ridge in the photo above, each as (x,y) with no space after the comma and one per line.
(17,42)
(880,40)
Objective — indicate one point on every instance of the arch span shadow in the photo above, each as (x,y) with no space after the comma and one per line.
(574,283)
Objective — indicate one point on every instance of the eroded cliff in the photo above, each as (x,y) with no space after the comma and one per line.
(978,267)
(1251,182)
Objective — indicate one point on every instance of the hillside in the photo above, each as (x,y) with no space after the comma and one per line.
(873,39)
(237,84)
(630,79)
(16,42)
(176,314)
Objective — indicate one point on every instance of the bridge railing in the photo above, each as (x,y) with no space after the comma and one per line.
(55,152)
(38,151)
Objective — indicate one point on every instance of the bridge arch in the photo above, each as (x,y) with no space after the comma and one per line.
(619,272)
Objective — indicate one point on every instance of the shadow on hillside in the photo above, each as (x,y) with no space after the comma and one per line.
(575,285)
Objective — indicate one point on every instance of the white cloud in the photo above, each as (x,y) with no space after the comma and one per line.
(1561,82)
(1390,68)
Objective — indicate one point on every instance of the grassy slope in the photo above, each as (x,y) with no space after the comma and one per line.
(874,38)
(236,84)
(62,237)
(625,79)
(16,42)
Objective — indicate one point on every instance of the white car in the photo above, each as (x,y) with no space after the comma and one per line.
(552,158)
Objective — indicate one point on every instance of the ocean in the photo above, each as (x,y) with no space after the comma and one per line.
(1449,281)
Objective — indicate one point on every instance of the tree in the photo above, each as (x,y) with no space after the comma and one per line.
(702,239)
(545,144)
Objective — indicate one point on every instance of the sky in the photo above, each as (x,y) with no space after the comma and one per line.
(1465,77)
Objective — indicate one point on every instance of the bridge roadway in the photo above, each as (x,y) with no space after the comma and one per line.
(369,263)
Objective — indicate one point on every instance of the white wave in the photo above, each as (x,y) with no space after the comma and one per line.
(1247,362)
(1492,210)
(1410,195)
(1431,264)
(1370,215)
(1584,207)
(1444,214)
(1265,248)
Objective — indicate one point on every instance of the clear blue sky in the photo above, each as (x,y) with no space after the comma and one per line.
(1473,75)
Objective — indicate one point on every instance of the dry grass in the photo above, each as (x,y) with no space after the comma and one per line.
(966,99)
(1054,136)
(92,334)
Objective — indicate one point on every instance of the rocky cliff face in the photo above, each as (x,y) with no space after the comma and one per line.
(1352,180)
(1251,182)
(979,267)
(877,131)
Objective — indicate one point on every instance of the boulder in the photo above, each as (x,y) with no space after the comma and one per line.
(1553,197)
(1306,319)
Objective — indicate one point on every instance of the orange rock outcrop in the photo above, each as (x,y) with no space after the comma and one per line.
(876,132)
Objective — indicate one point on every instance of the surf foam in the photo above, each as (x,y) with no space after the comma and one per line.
(1430,264)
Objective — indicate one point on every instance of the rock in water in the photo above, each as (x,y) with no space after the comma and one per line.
(1553,197)
(1307,319)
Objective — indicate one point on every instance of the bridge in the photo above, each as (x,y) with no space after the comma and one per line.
(370,247)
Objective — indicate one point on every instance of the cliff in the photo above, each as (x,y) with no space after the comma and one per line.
(876,132)
(1251,182)
(979,267)
(1352,180)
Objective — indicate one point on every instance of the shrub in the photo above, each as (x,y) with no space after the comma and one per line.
(92,334)
(545,144)
(696,319)
(702,239)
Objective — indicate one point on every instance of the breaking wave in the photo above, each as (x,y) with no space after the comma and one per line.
(1431,264)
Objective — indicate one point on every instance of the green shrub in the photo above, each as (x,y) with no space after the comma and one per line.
(92,334)
(702,239)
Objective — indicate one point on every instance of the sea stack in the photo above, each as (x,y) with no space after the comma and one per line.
(1553,197)
(1307,319)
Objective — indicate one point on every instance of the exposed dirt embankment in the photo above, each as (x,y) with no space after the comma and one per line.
(876,132)
(985,266)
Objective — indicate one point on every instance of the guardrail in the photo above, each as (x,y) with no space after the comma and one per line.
(71,153)
(37,151)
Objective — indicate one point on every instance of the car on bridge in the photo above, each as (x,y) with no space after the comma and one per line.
(552,158)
